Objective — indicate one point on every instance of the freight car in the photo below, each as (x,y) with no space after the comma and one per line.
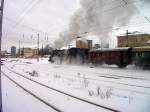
(118,56)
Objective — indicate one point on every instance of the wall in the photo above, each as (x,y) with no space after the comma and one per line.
(134,40)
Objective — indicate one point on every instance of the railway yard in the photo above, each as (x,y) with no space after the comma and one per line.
(50,87)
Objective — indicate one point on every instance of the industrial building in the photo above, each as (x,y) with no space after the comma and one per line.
(29,52)
(13,51)
(137,40)
(83,43)
(140,44)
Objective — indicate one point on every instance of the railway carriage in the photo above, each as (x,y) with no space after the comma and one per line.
(119,56)
(141,56)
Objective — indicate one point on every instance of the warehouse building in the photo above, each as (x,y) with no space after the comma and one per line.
(137,40)
(84,43)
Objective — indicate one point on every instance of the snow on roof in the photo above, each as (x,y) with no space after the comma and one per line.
(133,35)
(110,49)
(64,48)
(144,48)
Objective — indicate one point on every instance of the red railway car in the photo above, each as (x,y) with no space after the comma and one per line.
(119,56)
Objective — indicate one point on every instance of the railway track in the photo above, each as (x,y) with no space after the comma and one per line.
(112,75)
(32,94)
(115,76)
(108,75)
(133,91)
(59,91)
(95,79)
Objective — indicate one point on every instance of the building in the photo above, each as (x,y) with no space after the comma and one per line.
(13,51)
(5,54)
(35,52)
(89,43)
(27,52)
(84,44)
(96,46)
(137,40)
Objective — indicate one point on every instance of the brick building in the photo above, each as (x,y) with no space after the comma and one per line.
(84,44)
(138,40)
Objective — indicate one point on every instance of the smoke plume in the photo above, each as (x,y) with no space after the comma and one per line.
(97,17)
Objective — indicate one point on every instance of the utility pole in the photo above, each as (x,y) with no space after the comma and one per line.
(19,49)
(38,47)
(127,34)
(1,21)
(47,40)
(42,54)
(101,44)
(23,40)
(22,45)
(69,46)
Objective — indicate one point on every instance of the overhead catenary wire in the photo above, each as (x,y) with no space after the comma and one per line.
(26,26)
(25,13)
(147,19)
(27,5)
(33,5)
(32,36)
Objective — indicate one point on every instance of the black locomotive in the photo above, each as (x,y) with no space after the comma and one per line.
(78,54)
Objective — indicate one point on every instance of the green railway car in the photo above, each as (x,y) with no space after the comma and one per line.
(141,57)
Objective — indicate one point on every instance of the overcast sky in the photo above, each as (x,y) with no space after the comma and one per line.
(48,17)
(29,17)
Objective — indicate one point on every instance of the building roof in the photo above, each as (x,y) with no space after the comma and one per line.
(110,49)
(138,49)
(133,35)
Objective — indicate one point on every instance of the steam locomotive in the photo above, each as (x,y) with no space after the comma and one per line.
(119,56)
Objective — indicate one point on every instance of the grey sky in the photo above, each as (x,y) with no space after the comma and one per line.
(29,17)
(49,16)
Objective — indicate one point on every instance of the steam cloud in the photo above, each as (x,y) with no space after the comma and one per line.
(97,17)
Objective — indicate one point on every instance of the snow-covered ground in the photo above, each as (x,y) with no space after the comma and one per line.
(125,90)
